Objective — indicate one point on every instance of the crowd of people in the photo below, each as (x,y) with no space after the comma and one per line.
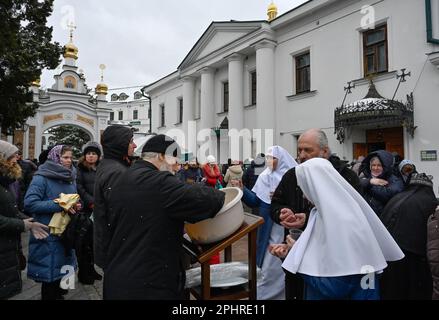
(374,219)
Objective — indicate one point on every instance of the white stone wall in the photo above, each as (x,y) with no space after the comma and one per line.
(333,35)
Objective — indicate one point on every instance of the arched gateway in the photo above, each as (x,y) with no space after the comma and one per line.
(68,102)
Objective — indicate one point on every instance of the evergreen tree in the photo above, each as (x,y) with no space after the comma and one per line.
(71,136)
(25,50)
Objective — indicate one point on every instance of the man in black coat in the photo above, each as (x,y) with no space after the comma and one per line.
(151,206)
(118,147)
(406,216)
(288,206)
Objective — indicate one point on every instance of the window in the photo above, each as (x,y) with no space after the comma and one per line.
(375,51)
(137,95)
(114,97)
(123,97)
(135,114)
(120,115)
(180,110)
(303,73)
(162,115)
(226,97)
(111,116)
(253,83)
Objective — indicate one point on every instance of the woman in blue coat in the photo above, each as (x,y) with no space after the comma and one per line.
(272,284)
(48,257)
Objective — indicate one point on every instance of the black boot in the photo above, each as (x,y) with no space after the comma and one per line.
(86,278)
(50,291)
(96,275)
(62,292)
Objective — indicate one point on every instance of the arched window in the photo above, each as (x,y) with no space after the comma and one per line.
(137,95)
(123,97)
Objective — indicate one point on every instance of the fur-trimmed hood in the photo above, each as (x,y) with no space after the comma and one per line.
(10,170)
(83,165)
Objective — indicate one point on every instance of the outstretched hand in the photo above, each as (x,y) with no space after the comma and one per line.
(291,220)
(279,250)
(38,230)
(282,250)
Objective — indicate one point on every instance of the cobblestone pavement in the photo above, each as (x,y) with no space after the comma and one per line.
(32,290)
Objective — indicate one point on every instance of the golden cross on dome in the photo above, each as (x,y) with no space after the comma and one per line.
(71,26)
(102,67)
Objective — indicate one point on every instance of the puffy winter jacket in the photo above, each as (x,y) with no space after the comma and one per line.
(233,173)
(48,257)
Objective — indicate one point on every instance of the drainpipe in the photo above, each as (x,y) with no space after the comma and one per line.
(150,108)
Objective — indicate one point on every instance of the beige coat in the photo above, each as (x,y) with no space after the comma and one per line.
(233,173)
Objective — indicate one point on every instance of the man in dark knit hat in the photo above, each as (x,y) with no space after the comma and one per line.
(151,206)
(118,146)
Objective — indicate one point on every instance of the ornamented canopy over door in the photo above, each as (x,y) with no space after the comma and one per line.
(377,110)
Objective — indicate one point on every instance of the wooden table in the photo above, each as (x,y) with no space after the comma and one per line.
(204,253)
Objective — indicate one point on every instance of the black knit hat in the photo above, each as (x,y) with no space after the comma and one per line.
(162,144)
(92,147)
(421,179)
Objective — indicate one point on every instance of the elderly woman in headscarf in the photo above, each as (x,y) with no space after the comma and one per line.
(47,257)
(344,244)
(405,169)
(272,285)
(378,181)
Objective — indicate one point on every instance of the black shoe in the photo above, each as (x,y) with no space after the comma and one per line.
(97,276)
(89,280)
(63,292)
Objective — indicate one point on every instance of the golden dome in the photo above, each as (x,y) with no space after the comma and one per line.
(272,11)
(102,88)
(71,51)
(36,83)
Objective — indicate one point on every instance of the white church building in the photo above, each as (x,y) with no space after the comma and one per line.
(130,109)
(335,65)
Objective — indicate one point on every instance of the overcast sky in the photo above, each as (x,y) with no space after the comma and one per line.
(142,41)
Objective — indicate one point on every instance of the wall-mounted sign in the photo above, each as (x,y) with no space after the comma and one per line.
(53,117)
(429,155)
(85,120)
